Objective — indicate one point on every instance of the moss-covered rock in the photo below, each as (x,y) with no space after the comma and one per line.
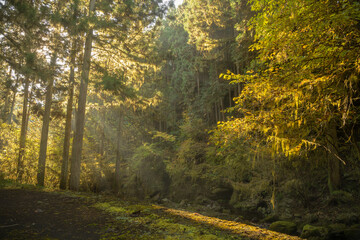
(314,232)
(283,227)
(270,218)
(340,197)
(353,232)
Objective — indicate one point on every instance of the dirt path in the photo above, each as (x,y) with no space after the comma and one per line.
(28,214)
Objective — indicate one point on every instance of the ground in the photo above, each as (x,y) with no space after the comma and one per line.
(26,214)
(42,214)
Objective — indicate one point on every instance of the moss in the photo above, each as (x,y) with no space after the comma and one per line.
(340,197)
(108,207)
(270,219)
(283,227)
(317,232)
(155,222)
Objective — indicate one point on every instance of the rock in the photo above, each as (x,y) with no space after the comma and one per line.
(314,232)
(215,207)
(340,197)
(270,219)
(156,197)
(283,227)
(202,200)
(353,232)
(183,203)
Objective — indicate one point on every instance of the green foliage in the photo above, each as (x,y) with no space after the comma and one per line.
(306,80)
(147,172)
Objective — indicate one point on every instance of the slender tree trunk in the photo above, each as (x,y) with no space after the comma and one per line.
(238,72)
(22,144)
(230,98)
(46,123)
(69,109)
(5,110)
(221,111)
(334,177)
(9,120)
(118,156)
(198,83)
(80,114)
(216,113)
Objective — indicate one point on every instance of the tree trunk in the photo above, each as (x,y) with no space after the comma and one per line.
(238,72)
(69,109)
(334,177)
(22,144)
(80,114)
(5,111)
(230,98)
(216,113)
(9,120)
(221,111)
(198,83)
(46,123)
(118,157)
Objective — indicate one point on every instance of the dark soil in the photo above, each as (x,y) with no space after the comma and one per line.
(28,214)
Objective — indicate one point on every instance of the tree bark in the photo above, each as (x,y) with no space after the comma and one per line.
(22,142)
(230,98)
(46,123)
(118,156)
(198,83)
(69,109)
(221,111)
(5,111)
(9,120)
(80,114)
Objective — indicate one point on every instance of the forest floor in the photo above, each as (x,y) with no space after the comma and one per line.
(33,213)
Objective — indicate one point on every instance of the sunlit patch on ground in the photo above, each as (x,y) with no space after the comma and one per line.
(239,228)
(157,222)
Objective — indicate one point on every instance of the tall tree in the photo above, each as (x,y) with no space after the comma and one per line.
(46,122)
(80,114)
(71,84)
(69,110)
(118,153)
(24,123)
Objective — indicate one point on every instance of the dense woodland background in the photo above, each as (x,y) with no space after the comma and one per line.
(249,107)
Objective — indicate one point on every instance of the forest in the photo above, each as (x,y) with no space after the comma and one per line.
(247,108)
